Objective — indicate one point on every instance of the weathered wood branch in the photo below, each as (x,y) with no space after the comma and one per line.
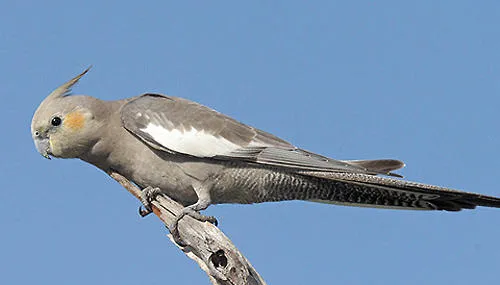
(206,244)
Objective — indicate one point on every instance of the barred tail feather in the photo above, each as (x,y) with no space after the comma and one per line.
(381,192)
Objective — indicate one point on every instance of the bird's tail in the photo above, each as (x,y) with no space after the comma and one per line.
(266,184)
(381,192)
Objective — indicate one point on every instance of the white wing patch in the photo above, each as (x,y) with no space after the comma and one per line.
(192,142)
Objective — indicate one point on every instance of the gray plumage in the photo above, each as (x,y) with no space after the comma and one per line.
(251,145)
(199,157)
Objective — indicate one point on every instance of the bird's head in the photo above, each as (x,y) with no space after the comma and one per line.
(64,126)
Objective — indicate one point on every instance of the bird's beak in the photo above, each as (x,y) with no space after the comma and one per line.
(43,146)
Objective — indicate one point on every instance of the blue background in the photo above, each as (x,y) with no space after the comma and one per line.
(412,80)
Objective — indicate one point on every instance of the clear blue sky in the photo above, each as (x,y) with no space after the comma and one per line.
(417,81)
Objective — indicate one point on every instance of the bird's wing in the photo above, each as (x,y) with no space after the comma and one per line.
(177,125)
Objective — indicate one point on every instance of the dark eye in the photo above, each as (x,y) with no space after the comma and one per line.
(56,121)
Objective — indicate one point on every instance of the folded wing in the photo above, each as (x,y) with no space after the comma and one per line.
(177,125)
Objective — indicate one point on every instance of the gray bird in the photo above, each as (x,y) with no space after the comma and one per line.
(200,157)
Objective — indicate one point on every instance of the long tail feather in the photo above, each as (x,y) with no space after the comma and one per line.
(376,191)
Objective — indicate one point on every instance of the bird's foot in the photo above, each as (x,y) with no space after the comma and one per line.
(148,194)
(174,230)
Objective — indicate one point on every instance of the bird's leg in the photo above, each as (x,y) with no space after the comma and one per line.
(148,194)
(193,211)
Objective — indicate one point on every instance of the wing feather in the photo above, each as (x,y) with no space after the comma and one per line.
(178,125)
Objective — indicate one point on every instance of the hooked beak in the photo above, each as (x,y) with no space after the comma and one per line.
(43,146)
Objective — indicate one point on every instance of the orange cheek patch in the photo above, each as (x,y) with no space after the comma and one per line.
(74,120)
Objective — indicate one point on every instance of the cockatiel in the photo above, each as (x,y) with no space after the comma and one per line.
(200,157)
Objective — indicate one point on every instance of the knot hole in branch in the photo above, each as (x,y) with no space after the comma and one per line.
(219,258)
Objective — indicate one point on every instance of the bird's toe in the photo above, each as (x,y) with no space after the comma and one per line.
(148,194)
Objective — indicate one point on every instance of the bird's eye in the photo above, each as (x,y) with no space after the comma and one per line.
(56,121)
(37,133)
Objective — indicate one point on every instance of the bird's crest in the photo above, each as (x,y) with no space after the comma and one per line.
(64,89)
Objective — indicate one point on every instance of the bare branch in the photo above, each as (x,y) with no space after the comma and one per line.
(206,244)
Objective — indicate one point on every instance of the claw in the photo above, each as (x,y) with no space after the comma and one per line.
(144,212)
(212,220)
(148,194)
(195,215)
(174,231)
